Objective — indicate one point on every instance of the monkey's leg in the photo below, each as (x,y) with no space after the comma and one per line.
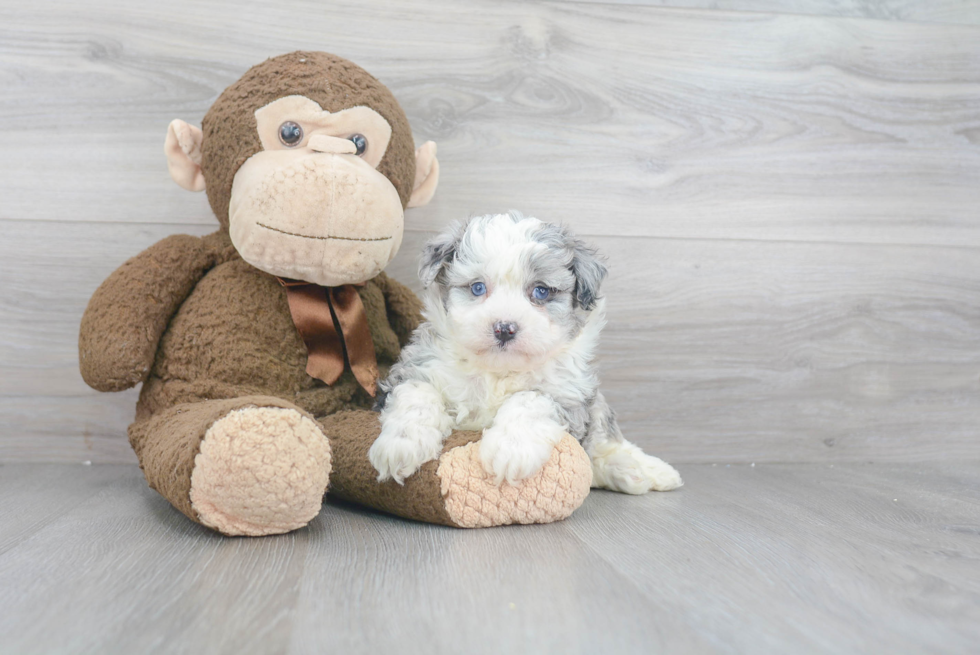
(454,489)
(254,465)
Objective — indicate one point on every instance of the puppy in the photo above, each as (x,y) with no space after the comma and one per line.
(513,316)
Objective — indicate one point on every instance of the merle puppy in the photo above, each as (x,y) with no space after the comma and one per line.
(513,316)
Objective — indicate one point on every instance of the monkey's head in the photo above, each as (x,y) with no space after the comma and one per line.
(309,163)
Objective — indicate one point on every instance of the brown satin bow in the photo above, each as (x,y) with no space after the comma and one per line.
(334,327)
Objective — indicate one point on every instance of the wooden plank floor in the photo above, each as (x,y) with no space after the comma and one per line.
(801,558)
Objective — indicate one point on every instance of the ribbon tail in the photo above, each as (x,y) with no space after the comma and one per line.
(310,309)
(349,310)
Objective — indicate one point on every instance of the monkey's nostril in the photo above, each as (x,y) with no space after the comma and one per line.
(504,332)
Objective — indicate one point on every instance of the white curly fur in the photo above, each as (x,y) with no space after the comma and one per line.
(524,393)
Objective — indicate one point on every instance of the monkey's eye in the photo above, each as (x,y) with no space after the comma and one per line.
(478,288)
(359,142)
(290,133)
(541,293)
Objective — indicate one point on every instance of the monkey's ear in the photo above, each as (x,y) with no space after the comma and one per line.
(183,150)
(426,175)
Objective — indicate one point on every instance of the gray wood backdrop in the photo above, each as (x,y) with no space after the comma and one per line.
(788,193)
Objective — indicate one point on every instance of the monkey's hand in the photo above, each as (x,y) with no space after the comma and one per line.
(404,308)
(126,315)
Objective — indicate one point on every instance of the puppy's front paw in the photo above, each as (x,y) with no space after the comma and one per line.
(512,453)
(398,453)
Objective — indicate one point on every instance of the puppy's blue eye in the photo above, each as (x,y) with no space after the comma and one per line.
(541,293)
(478,288)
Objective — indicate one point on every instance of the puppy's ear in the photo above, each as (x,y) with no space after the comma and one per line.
(588,271)
(438,252)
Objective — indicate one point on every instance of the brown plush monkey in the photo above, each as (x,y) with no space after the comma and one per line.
(259,346)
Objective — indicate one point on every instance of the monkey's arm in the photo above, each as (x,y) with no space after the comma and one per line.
(404,308)
(122,324)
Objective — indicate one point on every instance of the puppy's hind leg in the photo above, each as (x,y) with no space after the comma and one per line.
(620,465)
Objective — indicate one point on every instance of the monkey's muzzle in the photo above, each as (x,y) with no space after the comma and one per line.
(331,219)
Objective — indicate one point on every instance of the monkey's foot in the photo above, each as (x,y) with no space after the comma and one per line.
(260,471)
(455,489)
(475,500)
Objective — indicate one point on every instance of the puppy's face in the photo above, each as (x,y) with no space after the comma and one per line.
(509,291)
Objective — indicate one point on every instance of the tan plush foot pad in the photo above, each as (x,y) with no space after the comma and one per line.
(454,489)
(473,500)
(261,470)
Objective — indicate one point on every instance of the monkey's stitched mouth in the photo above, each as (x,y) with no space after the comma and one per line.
(323,238)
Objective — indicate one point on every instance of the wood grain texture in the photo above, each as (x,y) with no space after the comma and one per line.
(34,496)
(789,202)
(622,120)
(814,549)
(767,559)
(716,351)
(956,12)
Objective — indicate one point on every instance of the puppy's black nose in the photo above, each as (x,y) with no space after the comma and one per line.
(504,332)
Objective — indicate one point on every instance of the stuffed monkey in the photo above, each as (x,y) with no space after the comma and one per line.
(259,346)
